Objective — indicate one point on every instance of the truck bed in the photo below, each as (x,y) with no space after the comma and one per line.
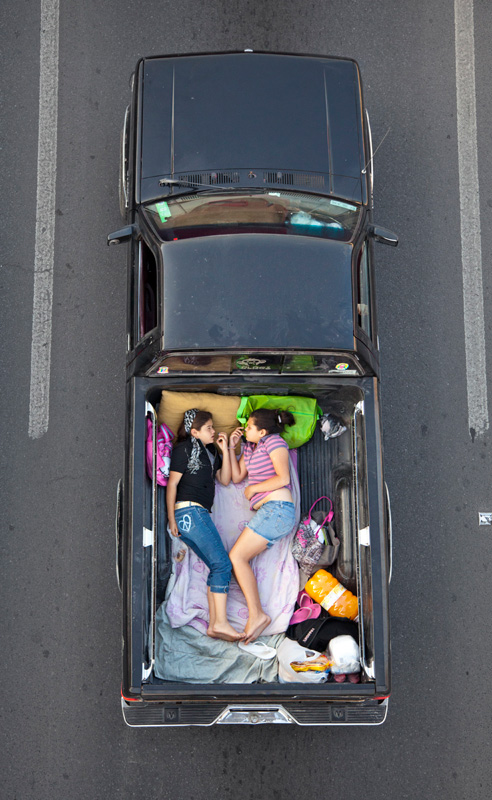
(324,468)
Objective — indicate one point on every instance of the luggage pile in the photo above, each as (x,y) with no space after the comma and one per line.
(322,640)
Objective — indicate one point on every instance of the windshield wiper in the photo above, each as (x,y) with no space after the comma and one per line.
(179,182)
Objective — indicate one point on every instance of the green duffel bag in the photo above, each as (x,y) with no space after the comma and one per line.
(305,410)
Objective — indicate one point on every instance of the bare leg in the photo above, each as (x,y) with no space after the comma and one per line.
(211,608)
(249,545)
(219,626)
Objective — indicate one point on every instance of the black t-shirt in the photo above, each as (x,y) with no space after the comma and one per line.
(199,488)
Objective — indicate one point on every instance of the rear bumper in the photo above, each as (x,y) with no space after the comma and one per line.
(155,715)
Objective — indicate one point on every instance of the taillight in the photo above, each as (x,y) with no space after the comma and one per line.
(130,699)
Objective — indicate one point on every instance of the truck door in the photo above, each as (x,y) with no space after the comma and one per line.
(365,305)
(144,302)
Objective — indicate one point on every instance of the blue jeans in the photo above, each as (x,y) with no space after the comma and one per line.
(199,532)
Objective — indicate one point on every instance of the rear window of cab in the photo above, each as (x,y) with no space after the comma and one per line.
(228,364)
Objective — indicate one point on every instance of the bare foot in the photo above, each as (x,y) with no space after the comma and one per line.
(224,631)
(255,626)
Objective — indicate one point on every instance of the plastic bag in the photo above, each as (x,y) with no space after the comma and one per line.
(289,651)
(332,426)
(345,652)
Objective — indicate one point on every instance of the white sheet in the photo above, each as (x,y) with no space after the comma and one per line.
(275,569)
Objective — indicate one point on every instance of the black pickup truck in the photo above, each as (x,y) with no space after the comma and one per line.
(246,186)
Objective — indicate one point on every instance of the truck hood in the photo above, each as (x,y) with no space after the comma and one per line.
(255,291)
(254,117)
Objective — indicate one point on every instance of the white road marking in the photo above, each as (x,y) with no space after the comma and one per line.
(471,247)
(45,221)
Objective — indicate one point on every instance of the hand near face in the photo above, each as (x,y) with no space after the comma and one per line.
(222,441)
(236,436)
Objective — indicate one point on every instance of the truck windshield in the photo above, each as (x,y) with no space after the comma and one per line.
(267,211)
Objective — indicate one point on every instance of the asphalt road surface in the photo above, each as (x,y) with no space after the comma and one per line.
(62,731)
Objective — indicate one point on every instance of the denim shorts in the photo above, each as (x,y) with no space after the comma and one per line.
(274,520)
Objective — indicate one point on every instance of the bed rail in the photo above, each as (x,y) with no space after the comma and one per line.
(363,532)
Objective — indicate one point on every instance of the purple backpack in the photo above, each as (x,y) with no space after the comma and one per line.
(164,442)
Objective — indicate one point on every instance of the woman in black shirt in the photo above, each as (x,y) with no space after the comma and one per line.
(195,464)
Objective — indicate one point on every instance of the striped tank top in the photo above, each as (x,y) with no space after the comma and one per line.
(259,464)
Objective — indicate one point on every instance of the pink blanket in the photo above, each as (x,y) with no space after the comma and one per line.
(275,569)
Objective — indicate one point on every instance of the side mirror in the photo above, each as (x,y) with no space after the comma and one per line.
(383,235)
(122,236)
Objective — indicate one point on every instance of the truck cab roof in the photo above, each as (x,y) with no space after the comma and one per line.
(257,290)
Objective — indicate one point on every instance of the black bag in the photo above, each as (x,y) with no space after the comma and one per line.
(316,634)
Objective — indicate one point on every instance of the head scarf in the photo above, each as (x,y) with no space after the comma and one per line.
(194,459)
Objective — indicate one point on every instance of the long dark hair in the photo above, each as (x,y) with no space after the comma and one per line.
(201,417)
(271,420)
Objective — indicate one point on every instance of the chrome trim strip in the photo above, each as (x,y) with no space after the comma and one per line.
(117,531)
(124,171)
(254,715)
(371,159)
(390,532)
(172,123)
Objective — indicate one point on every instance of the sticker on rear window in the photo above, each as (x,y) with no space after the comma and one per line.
(252,363)
(342,367)
(162,209)
(343,205)
(162,370)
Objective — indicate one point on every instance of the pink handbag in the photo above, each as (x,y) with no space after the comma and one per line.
(308,551)
(164,446)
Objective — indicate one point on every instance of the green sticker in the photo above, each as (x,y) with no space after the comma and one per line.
(343,205)
(162,209)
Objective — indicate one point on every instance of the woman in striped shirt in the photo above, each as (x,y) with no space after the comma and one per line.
(266,462)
